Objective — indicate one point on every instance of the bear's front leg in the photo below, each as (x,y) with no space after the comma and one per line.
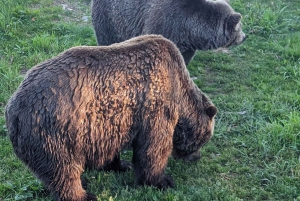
(188,56)
(151,150)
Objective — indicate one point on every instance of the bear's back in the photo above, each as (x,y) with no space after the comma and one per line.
(140,75)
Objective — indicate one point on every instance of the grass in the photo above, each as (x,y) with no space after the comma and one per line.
(255,151)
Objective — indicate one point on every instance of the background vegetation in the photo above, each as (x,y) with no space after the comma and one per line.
(255,151)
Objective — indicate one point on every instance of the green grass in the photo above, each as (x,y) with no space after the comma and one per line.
(255,151)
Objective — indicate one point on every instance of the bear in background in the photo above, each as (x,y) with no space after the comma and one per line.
(82,107)
(191,24)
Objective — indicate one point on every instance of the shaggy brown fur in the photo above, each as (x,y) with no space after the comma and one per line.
(83,106)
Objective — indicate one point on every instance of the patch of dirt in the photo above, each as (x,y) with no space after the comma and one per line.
(222,50)
(75,11)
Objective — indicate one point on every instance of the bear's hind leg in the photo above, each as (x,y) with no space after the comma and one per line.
(67,186)
(72,190)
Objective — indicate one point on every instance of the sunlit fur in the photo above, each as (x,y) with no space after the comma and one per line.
(83,106)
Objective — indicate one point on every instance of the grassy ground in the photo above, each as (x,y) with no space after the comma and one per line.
(255,151)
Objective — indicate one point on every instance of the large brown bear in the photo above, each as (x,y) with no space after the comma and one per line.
(83,106)
(191,24)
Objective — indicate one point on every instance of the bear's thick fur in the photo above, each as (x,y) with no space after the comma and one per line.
(83,106)
(191,24)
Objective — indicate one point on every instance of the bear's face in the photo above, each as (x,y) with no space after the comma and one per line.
(192,133)
(219,26)
(233,30)
(230,26)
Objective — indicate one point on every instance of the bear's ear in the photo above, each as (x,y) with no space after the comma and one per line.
(234,19)
(211,111)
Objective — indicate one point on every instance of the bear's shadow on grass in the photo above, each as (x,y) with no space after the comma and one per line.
(107,184)
(113,183)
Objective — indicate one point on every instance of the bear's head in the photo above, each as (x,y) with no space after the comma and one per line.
(217,24)
(233,30)
(230,29)
(193,132)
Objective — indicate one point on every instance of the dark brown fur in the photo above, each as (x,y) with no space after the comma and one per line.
(191,24)
(82,107)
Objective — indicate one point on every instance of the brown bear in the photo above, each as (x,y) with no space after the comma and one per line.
(83,106)
(191,24)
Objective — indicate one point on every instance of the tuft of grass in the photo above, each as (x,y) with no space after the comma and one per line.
(254,153)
